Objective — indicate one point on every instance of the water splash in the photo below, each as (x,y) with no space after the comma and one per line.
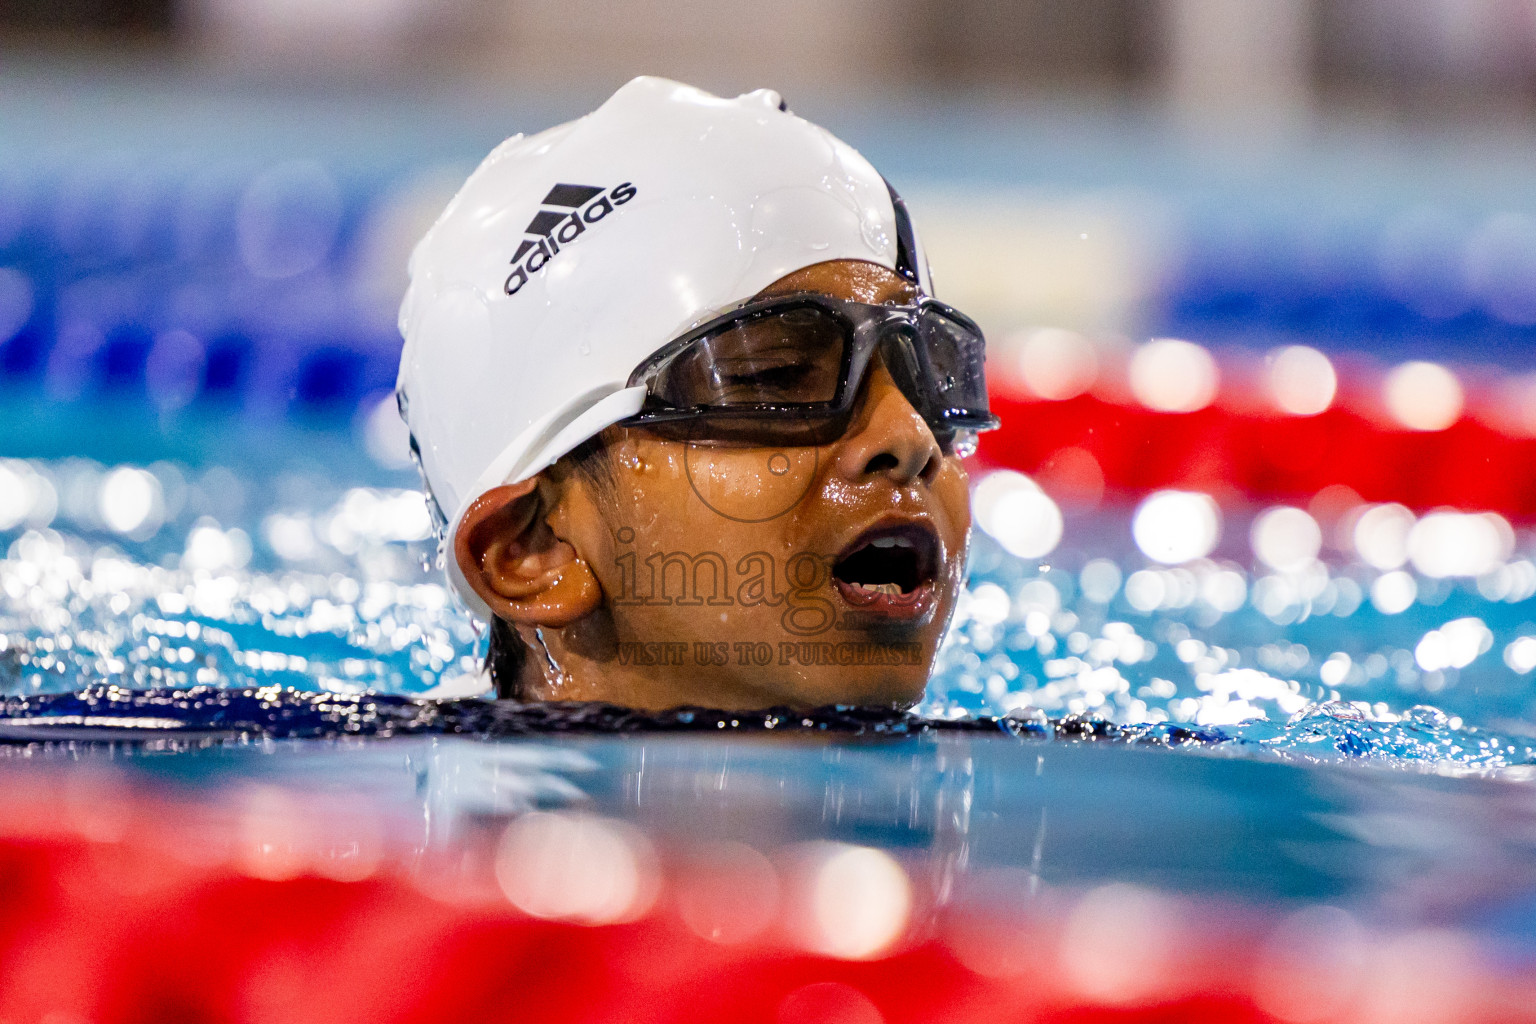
(313,587)
(195,717)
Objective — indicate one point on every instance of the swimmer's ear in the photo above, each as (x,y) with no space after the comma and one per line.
(517,565)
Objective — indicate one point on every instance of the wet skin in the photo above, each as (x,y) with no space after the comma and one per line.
(839,563)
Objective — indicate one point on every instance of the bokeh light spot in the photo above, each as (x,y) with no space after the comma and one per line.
(576,867)
(1117,943)
(730,895)
(1423,396)
(1394,593)
(1011,508)
(1176,526)
(1286,539)
(1057,364)
(1447,543)
(858,901)
(131,503)
(1380,536)
(1302,381)
(1170,375)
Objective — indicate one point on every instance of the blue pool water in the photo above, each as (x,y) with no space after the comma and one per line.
(270,555)
(217,575)
(236,606)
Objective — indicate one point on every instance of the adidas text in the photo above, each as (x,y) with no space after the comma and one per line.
(576,208)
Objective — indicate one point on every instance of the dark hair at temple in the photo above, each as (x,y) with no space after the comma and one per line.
(505,659)
(507,655)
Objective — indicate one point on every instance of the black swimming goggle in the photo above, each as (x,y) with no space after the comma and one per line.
(788,371)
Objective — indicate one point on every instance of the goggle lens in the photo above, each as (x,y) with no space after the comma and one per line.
(788,371)
(788,357)
(956,357)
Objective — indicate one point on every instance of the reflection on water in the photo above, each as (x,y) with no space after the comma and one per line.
(951,865)
(843,829)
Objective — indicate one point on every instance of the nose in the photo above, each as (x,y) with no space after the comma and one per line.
(887,438)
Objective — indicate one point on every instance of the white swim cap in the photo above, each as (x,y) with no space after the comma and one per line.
(570,256)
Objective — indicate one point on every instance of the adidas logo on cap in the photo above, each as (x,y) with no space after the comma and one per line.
(578,207)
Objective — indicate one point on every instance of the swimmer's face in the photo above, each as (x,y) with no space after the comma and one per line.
(751,576)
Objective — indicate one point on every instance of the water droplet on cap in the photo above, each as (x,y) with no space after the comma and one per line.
(874,234)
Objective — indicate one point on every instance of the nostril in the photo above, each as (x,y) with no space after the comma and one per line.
(881,463)
(930,469)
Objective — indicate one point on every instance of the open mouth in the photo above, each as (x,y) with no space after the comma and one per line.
(888,561)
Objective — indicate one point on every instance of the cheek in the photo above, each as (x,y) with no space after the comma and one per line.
(749,486)
(694,499)
(723,490)
(952,510)
(952,494)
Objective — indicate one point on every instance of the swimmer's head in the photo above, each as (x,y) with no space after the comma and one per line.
(627,536)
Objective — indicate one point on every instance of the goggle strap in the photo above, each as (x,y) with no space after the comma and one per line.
(906,239)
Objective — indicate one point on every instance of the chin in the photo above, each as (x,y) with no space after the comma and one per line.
(898,692)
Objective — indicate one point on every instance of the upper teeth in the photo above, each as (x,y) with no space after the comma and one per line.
(891,542)
(888,589)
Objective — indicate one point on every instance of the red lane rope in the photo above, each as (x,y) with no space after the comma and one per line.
(1235,455)
(121,909)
